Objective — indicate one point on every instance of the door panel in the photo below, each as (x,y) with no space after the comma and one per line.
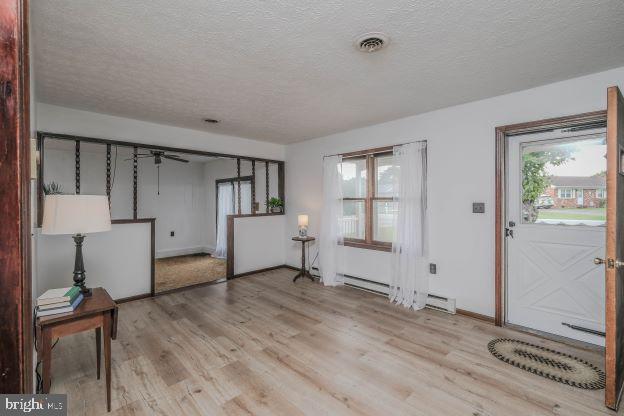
(552,281)
(614,343)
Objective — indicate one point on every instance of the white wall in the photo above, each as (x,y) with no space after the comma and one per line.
(180,206)
(461,171)
(117,260)
(258,242)
(55,119)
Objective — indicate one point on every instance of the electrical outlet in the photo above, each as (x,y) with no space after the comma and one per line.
(172,233)
(478,207)
(433,268)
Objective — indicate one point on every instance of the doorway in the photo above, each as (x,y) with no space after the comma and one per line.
(569,129)
(555,230)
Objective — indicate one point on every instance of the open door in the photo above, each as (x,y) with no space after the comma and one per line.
(614,261)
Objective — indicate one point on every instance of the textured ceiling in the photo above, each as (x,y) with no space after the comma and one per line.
(285,71)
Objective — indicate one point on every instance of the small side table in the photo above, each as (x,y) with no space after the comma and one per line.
(303,272)
(98,312)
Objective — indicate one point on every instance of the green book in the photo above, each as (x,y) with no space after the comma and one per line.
(64,294)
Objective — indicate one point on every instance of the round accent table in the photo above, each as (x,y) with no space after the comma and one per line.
(303,272)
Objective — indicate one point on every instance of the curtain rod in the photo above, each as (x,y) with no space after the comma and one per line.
(390,145)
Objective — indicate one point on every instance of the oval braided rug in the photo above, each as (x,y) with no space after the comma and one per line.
(548,363)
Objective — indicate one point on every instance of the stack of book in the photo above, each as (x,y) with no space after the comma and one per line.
(61,300)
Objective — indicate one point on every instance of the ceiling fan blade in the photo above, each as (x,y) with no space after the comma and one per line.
(139,157)
(176,158)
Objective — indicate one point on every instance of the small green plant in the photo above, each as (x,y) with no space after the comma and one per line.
(52,188)
(275,203)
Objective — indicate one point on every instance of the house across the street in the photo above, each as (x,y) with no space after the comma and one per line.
(578,191)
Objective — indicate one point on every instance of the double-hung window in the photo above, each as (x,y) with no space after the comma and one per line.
(566,193)
(369,180)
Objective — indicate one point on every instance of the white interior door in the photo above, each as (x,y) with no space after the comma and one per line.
(552,283)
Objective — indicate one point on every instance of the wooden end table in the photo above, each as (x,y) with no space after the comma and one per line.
(303,272)
(98,312)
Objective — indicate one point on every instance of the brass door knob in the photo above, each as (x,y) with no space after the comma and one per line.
(598,261)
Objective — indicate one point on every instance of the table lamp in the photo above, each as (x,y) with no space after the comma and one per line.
(76,215)
(303,225)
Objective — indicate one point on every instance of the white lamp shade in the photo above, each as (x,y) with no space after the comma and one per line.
(75,214)
(302,220)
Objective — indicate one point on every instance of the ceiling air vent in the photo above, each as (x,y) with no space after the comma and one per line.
(371,42)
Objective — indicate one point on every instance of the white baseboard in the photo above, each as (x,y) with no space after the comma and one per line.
(161,254)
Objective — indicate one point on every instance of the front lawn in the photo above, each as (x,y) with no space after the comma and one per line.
(597,214)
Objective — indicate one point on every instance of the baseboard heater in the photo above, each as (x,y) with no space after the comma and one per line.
(439,303)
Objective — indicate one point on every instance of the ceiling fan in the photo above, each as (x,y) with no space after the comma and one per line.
(158,156)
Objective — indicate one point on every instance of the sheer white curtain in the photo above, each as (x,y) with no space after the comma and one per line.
(409,280)
(330,256)
(225,208)
(245,191)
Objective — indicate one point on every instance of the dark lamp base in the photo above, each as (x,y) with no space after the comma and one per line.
(86,291)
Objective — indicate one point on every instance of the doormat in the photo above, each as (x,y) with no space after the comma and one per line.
(548,363)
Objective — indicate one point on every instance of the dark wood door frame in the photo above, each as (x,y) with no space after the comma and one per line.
(502,134)
(16,324)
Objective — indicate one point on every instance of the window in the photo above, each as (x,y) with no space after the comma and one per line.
(565,193)
(368,210)
(601,193)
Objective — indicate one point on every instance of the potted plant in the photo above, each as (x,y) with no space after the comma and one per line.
(276,205)
(52,188)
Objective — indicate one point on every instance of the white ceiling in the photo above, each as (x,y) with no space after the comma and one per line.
(286,70)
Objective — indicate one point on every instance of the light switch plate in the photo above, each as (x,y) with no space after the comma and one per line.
(478,207)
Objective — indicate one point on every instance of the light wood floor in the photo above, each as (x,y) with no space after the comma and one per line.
(262,345)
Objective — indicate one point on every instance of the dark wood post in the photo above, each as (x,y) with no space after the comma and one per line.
(77,157)
(238,184)
(266,185)
(108,172)
(40,195)
(135,180)
(253,186)
(281,184)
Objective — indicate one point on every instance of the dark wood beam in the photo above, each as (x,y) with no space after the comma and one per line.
(15,289)
(170,149)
